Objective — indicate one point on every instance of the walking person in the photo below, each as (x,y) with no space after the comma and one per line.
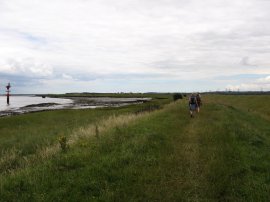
(199,101)
(193,104)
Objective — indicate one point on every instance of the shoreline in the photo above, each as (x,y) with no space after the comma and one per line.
(77,103)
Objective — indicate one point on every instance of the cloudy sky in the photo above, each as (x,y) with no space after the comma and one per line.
(57,46)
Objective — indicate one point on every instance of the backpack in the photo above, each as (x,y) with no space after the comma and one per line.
(192,100)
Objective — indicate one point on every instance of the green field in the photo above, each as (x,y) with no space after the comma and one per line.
(136,154)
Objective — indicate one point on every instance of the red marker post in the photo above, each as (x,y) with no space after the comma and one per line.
(8,91)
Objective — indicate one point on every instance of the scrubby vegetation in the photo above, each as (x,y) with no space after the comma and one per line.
(162,155)
(177,96)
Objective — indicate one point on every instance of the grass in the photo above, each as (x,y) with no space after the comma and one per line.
(28,131)
(249,103)
(220,155)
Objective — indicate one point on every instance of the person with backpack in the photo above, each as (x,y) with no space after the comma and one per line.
(193,104)
(199,101)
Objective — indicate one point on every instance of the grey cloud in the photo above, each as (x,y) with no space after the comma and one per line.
(245,61)
(19,81)
(134,39)
(116,76)
(28,67)
(176,65)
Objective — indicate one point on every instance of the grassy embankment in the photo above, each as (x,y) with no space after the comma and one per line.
(25,135)
(220,155)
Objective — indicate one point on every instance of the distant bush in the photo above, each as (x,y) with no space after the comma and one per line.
(177,96)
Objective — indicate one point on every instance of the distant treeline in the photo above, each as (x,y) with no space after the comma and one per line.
(239,92)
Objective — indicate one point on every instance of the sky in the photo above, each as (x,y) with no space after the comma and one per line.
(60,46)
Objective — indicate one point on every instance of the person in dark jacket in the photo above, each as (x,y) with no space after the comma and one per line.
(199,101)
(193,104)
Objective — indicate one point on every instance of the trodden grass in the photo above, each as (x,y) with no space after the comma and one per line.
(220,155)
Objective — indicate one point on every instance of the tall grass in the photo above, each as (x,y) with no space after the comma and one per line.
(18,157)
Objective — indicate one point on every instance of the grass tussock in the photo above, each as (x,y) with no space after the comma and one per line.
(10,160)
(103,126)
